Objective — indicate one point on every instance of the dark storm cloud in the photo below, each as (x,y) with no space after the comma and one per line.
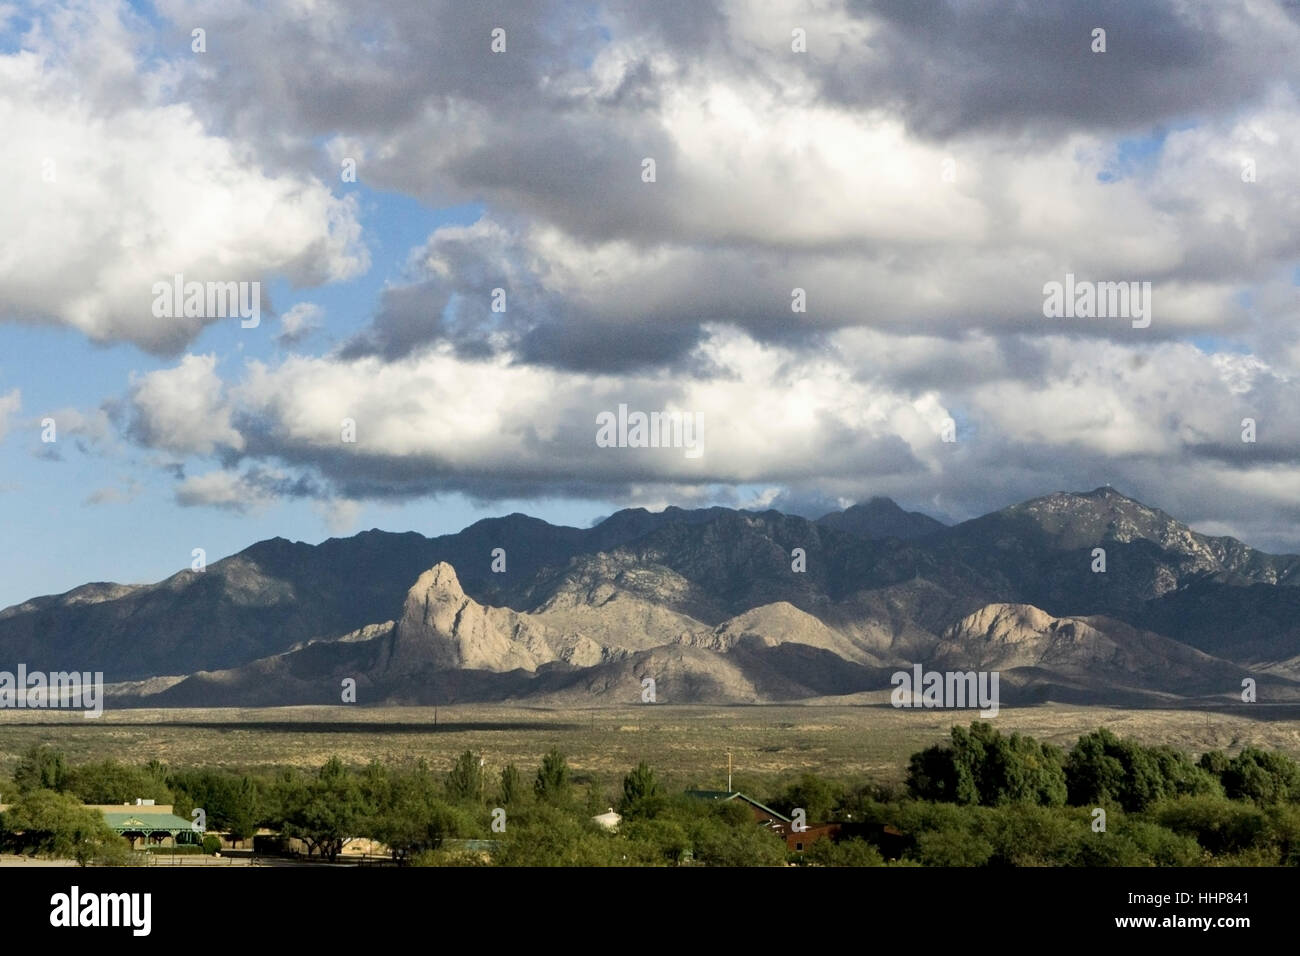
(583,173)
(368,69)
(608,346)
(953,66)
(591,474)
(409,318)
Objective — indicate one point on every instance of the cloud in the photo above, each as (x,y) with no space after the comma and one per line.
(729,242)
(219,489)
(776,170)
(918,175)
(489,426)
(9,404)
(806,429)
(182,410)
(252,490)
(950,67)
(112,494)
(91,432)
(299,322)
(118,188)
(339,514)
(91,429)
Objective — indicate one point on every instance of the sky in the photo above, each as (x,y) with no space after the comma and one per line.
(825,229)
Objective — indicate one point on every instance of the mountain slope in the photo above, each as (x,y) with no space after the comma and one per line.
(770,605)
(1094,652)
(882,518)
(276,594)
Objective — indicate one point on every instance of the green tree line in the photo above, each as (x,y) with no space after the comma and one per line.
(980,799)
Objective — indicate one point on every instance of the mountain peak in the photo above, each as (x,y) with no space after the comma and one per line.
(878,503)
(441,577)
(1100,491)
(1071,520)
(1106,493)
(443,627)
(881,517)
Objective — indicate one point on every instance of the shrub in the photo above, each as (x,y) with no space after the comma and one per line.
(952,848)
(851,852)
(1032,836)
(1219,825)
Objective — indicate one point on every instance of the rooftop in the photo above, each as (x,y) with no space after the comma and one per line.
(735,795)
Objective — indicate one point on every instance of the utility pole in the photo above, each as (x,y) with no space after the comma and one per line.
(728,770)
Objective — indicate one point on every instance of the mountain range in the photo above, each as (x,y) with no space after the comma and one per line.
(714,605)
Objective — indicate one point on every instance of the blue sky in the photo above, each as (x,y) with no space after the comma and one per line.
(150,536)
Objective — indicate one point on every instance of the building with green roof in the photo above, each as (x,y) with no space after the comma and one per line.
(152,824)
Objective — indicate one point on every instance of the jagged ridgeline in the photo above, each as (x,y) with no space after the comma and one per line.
(715,605)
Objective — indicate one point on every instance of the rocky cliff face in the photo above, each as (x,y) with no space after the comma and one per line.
(714,597)
(1092,652)
(444,628)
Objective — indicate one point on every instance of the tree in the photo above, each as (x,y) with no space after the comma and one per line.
(417,820)
(231,804)
(817,797)
(240,816)
(1102,769)
(1261,776)
(375,783)
(596,798)
(643,795)
(552,783)
(729,837)
(1096,770)
(932,774)
(465,781)
(981,766)
(325,813)
(1214,762)
(545,835)
(396,820)
(640,785)
(511,786)
(58,825)
(661,840)
(1032,836)
(278,797)
(41,768)
(111,782)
